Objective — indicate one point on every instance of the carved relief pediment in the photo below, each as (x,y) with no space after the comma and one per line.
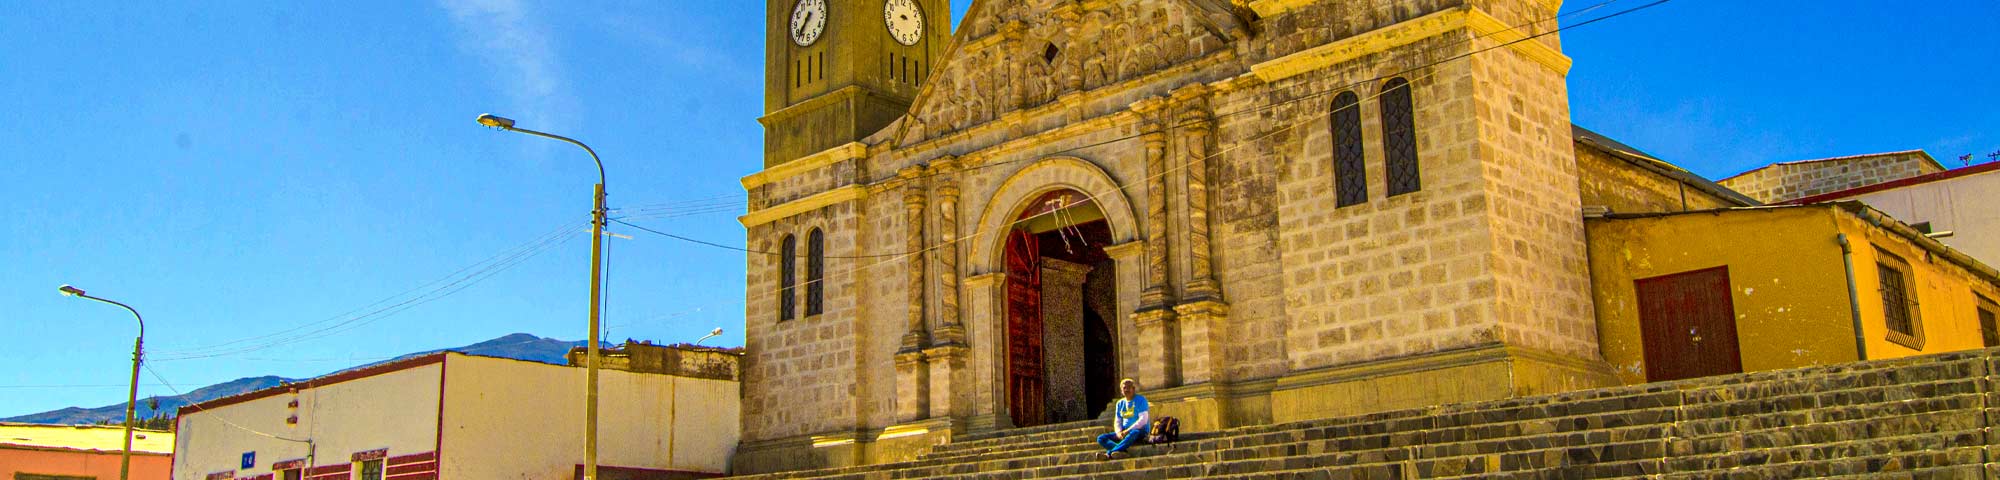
(1019,54)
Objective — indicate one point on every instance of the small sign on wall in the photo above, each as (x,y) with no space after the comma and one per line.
(249,460)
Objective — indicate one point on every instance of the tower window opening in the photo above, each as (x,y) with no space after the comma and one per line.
(1350,184)
(1399,137)
(1049,54)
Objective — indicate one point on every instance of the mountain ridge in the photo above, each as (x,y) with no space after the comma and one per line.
(519,346)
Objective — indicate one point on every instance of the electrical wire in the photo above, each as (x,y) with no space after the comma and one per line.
(362,320)
(1092,197)
(219,417)
(558,231)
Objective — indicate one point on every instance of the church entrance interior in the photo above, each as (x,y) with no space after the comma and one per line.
(1062,363)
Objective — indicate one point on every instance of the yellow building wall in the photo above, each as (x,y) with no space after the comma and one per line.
(1946,293)
(1787,283)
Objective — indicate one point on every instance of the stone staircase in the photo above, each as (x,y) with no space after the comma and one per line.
(1919,417)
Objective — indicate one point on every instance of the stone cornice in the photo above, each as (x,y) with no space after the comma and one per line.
(795,207)
(805,164)
(815,103)
(1272,8)
(1499,32)
(1382,39)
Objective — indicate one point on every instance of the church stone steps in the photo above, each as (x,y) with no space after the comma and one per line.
(1162,460)
(1306,440)
(1832,419)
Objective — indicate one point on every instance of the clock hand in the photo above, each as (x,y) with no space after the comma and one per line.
(804,23)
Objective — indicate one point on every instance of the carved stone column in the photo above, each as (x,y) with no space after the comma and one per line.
(1155,295)
(912,372)
(950,331)
(913,229)
(1198,127)
(1203,314)
(947,354)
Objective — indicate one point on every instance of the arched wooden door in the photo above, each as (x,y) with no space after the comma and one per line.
(1025,385)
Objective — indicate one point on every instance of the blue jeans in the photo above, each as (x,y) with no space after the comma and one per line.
(1112,444)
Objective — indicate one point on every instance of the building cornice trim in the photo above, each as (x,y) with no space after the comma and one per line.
(805,164)
(795,207)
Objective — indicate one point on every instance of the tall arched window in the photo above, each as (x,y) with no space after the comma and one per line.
(788,260)
(815,272)
(1350,171)
(1399,137)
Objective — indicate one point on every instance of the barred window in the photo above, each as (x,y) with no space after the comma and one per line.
(1899,301)
(815,272)
(788,259)
(1350,171)
(1399,137)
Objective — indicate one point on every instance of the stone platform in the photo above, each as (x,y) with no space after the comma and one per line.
(1918,417)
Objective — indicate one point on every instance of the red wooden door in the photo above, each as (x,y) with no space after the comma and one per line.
(1688,324)
(1025,385)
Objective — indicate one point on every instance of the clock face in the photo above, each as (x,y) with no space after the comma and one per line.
(808,21)
(906,21)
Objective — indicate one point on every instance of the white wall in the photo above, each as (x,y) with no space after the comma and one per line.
(509,419)
(395,410)
(1969,206)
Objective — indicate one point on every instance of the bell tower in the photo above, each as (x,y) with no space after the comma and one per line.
(839,70)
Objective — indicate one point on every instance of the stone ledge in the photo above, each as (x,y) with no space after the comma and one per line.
(795,207)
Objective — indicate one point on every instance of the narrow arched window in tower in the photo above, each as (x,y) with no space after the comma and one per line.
(1350,178)
(815,272)
(788,260)
(1399,137)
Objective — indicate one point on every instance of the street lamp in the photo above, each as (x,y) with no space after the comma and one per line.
(711,334)
(596,265)
(131,396)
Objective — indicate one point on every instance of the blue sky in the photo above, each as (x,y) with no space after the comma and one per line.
(241,169)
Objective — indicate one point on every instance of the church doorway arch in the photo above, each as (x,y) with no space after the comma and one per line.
(1061,305)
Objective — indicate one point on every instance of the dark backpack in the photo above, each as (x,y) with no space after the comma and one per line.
(1164,430)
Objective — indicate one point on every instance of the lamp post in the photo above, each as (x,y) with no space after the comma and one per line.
(131,396)
(596,266)
(711,334)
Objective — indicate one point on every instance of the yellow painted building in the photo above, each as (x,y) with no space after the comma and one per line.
(1748,289)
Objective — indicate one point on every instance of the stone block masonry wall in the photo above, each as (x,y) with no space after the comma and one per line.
(1396,275)
(1529,168)
(1627,188)
(798,373)
(1786,181)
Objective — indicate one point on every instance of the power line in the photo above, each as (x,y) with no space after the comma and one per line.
(560,230)
(438,293)
(219,417)
(1313,118)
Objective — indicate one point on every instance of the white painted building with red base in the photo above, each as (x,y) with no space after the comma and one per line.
(461,417)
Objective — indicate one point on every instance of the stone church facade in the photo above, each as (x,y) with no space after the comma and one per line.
(1263,210)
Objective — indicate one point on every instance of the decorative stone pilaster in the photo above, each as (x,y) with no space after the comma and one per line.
(1159,360)
(1203,324)
(1155,295)
(913,219)
(1196,127)
(950,331)
(985,294)
(1128,259)
(912,386)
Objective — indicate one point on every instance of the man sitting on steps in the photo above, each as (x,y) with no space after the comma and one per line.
(1129,421)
